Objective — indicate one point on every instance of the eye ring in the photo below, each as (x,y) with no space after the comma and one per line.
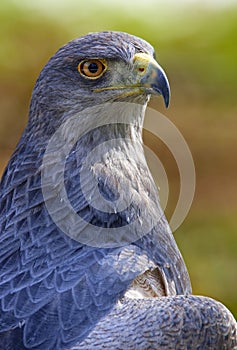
(92,68)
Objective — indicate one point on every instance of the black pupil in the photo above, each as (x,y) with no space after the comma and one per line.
(93,67)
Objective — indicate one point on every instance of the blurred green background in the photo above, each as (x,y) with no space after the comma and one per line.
(196,44)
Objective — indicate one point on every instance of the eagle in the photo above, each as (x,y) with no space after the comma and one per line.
(87,258)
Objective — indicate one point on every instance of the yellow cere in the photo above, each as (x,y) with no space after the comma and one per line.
(142,61)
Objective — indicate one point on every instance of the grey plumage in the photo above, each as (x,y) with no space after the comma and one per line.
(181,322)
(55,289)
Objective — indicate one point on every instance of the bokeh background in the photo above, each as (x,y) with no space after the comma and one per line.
(196,42)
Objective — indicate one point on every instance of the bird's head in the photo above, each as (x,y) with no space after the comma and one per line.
(97,68)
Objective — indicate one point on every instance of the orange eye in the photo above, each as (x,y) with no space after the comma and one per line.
(92,69)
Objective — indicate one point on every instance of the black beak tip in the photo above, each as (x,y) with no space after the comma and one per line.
(166,97)
(164,87)
(156,80)
(164,91)
(161,86)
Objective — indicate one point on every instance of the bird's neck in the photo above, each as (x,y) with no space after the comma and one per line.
(71,125)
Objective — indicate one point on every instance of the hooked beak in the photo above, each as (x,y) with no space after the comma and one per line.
(152,76)
(146,76)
